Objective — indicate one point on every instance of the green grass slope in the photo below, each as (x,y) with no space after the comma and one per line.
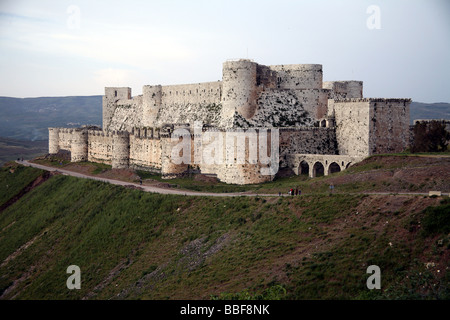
(135,245)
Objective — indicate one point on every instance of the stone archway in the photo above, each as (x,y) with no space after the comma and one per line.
(321,164)
(303,168)
(318,169)
(334,167)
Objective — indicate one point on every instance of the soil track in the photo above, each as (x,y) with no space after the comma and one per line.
(147,188)
(162,188)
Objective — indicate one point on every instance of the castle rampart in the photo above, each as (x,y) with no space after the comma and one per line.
(145,155)
(299,76)
(100,146)
(198,93)
(314,123)
(344,89)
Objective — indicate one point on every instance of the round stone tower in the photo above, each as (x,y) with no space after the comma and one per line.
(151,100)
(239,88)
(79,147)
(53,140)
(173,162)
(121,150)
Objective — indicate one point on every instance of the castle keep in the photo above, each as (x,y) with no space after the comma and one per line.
(307,125)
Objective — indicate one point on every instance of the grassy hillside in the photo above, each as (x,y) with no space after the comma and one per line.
(135,245)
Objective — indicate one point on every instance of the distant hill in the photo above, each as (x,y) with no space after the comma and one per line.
(419,110)
(29,118)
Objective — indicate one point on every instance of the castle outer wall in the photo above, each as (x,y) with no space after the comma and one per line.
(371,126)
(249,95)
(314,121)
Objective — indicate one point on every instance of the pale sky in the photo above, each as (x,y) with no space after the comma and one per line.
(399,48)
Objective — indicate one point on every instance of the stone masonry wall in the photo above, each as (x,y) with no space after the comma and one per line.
(53,140)
(371,126)
(239,82)
(162,104)
(389,125)
(250,168)
(127,114)
(278,108)
(189,103)
(100,145)
(109,103)
(145,153)
(306,141)
(352,119)
(232,155)
(249,95)
(344,89)
(299,76)
(65,138)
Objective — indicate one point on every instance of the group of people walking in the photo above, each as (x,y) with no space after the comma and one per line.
(295,192)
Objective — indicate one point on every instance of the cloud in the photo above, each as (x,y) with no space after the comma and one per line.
(112,77)
(133,46)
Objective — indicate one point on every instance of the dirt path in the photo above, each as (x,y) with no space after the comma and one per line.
(159,190)
(136,185)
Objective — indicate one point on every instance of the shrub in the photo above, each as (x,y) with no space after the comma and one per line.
(437,219)
(430,137)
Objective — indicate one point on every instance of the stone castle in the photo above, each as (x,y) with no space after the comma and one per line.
(320,127)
